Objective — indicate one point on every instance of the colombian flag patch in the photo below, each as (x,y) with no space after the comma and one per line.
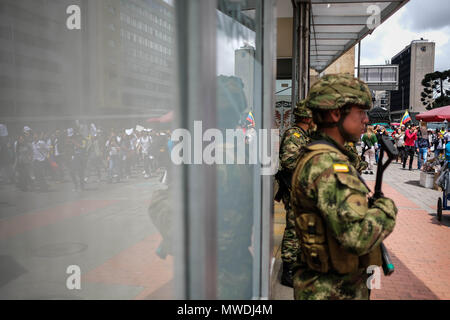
(340,168)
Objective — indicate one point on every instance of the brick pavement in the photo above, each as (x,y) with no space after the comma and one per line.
(418,244)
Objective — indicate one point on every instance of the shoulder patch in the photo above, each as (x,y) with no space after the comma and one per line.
(340,167)
(297,134)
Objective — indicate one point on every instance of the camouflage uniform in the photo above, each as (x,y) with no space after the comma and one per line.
(359,164)
(294,139)
(339,233)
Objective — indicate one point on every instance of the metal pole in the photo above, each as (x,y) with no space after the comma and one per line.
(359,58)
(197,81)
(295,56)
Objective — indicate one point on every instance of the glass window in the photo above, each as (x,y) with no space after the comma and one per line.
(89,200)
(239,108)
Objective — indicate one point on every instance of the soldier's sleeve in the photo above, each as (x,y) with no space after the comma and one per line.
(290,149)
(342,200)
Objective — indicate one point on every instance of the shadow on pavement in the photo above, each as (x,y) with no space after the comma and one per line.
(403,284)
(415,183)
(445,219)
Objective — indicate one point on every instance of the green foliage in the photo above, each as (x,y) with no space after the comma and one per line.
(435,93)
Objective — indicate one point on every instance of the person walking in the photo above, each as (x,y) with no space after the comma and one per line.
(340,232)
(24,158)
(399,138)
(422,145)
(439,144)
(371,143)
(410,140)
(113,149)
(144,145)
(40,155)
(76,145)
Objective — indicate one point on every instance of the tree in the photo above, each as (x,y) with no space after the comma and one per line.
(436,91)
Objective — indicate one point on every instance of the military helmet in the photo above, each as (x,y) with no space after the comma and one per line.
(301,111)
(335,91)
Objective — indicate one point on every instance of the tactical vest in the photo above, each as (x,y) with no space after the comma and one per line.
(318,248)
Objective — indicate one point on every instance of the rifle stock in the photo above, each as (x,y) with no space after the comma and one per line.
(388,147)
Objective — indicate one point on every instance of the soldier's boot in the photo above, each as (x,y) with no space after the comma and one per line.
(287,276)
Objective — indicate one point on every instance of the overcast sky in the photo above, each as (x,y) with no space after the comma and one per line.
(428,19)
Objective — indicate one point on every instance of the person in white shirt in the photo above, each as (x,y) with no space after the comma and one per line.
(113,149)
(40,153)
(145,143)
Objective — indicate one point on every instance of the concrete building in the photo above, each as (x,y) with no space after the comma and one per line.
(244,68)
(415,61)
(120,62)
(382,99)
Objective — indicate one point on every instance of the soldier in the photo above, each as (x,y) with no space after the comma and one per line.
(294,139)
(359,163)
(339,232)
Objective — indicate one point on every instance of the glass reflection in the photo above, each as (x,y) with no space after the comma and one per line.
(86,107)
(236,107)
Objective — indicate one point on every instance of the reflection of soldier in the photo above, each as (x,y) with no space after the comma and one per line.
(294,139)
(234,202)
(340,235)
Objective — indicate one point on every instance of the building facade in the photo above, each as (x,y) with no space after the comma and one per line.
(119,62)
(415,61)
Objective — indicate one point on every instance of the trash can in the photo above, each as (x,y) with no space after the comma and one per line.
(427,180)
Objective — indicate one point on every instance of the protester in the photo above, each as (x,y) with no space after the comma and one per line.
(399,138)
(439,143)
(410,139)
(112,146)
(76,145)
(371,144)
(40,154)
(422,145)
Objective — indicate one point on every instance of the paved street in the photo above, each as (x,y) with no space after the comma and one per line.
(106,231)
(418,244)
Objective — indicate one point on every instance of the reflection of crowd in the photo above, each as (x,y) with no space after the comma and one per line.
(33,159)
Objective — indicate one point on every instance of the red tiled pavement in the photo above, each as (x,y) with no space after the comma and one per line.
(26,222)
(138,266)
(419,249)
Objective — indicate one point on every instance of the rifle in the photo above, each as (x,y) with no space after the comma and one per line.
(388,147)
(283,183)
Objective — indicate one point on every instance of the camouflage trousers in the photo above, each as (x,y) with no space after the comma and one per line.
(290,243)
(311,285)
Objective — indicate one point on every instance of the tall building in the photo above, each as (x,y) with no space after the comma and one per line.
(415,61)
(120,62)
(244,68)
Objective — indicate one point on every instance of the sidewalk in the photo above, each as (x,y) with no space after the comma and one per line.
(418,244)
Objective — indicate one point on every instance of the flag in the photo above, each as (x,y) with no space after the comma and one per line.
(250,118)
(405,118)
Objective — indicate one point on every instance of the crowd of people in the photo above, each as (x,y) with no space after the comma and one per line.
(35,159)
(410,141)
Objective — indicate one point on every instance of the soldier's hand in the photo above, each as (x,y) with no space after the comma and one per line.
(387,205)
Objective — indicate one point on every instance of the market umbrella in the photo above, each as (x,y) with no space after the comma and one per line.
(435,115)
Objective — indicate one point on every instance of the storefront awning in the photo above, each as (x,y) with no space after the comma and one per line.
(337,25)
